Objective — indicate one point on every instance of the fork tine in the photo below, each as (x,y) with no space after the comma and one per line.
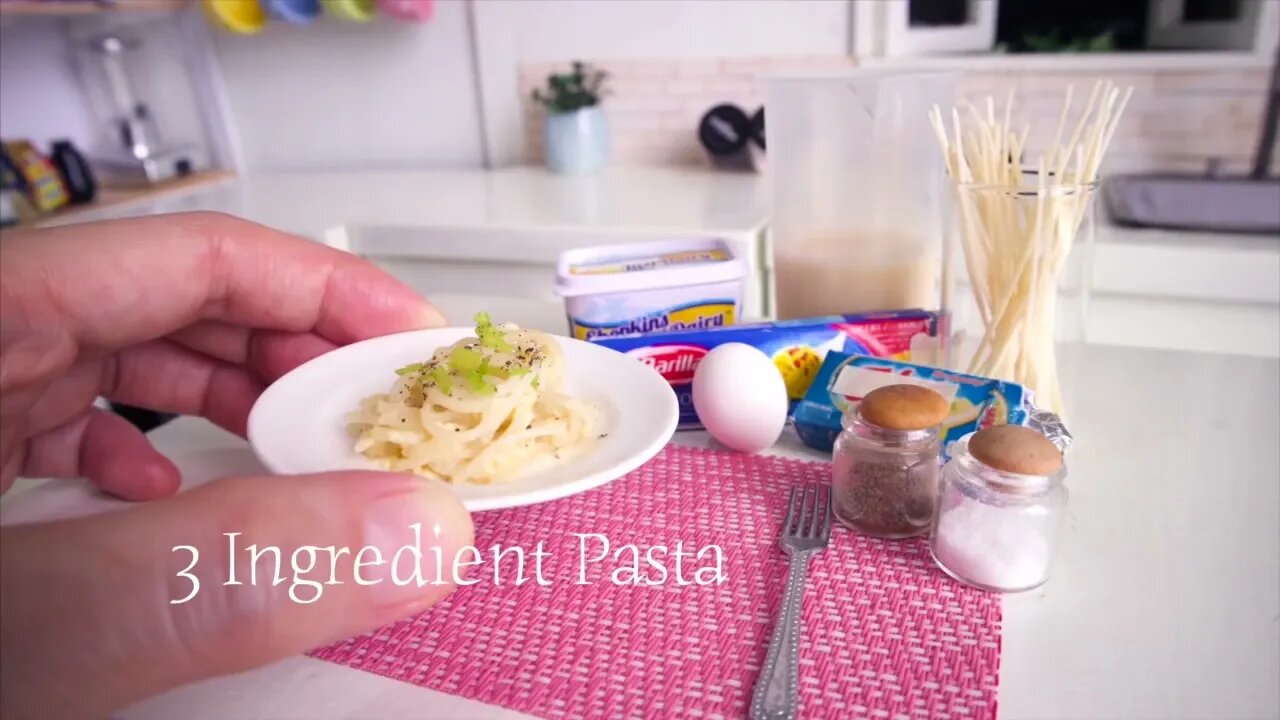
(815,516)
(791,514)
(826,513)
(819,511)
(809,498)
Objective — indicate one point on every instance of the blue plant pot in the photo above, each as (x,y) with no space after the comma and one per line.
(578,141)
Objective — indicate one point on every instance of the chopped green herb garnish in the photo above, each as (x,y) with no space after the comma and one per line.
(470,364)
(478,384)
(502,372)
(440,375)
(464,359)
(410,369)
(490,335)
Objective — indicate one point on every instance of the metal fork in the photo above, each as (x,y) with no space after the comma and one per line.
(805,532)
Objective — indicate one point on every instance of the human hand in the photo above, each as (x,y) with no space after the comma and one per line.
(190,314)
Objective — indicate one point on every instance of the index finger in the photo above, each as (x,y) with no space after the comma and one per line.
(121,282)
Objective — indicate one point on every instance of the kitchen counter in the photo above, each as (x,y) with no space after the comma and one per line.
(319,204)
(472,231)
(1164,603)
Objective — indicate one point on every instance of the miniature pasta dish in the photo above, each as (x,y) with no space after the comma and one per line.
(481,410)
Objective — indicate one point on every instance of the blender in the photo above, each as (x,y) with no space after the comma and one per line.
(140,157)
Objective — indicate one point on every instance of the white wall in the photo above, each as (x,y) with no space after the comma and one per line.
(511,32)
(389,94)
(334,94)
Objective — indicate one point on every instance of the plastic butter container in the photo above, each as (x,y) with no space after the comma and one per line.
(844,379)
(663,286)
(796,347)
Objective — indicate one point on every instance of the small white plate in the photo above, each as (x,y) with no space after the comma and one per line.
(298,425)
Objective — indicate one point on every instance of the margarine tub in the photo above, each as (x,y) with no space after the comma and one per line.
(621,290)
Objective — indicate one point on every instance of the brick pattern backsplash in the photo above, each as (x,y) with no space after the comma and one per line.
(655,105)
(1178,120)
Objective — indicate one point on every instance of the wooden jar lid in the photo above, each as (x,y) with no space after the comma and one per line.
(904,407)
(1015,449)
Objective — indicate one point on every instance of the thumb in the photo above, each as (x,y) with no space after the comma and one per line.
(96,603)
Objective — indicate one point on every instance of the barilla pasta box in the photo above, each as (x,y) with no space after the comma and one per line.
(650,287)
(844,379)
(797,347)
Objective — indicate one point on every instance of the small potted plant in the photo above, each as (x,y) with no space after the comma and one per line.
(576,135)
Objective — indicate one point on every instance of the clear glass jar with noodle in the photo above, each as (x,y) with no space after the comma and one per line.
(1021,230)
(1019,259)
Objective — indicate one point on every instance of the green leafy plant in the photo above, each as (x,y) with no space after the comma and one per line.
(582,86)
(1053,42)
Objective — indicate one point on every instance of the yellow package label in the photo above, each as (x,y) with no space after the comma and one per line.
(617,267)
(798,365)
(697,316)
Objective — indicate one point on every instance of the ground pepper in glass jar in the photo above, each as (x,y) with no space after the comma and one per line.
(886,461)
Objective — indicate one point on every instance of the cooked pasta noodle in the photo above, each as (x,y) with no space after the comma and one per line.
(479,411)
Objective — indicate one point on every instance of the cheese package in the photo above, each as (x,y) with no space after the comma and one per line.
(796,347)
(650,287)
(844,379)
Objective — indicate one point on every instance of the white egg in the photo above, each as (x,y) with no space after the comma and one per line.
(740,398)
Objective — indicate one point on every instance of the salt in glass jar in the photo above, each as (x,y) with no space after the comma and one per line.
(885,463)
(1001,501)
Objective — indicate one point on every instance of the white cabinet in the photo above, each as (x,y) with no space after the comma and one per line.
(1206,292)
(519,264)
(887,28)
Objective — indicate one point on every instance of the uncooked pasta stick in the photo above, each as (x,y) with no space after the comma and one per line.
(1015,238)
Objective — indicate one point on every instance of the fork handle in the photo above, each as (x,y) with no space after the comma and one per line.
(776,695)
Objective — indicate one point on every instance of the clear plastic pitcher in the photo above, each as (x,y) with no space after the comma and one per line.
(857,185)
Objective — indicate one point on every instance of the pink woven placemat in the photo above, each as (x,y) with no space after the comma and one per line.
(886,634)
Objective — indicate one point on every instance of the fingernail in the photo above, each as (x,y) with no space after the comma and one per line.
(417,534)
(430,317)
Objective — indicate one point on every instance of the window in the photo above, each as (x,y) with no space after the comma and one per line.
(893,28)
(937,13)
(1211,24)
(1194,11)
(1071,25)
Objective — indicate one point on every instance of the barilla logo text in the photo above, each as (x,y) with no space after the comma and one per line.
(701,316)
(677,364)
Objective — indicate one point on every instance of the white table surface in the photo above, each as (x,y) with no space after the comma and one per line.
(1165,601)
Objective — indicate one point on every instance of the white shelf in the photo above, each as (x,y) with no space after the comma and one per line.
(74,8)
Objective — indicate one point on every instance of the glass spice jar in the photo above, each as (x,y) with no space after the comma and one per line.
(1001,501)
(885,463)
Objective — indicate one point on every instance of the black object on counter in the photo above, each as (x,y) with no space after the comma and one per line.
(727,133)
(724,130)
(757,128)
(75,172)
